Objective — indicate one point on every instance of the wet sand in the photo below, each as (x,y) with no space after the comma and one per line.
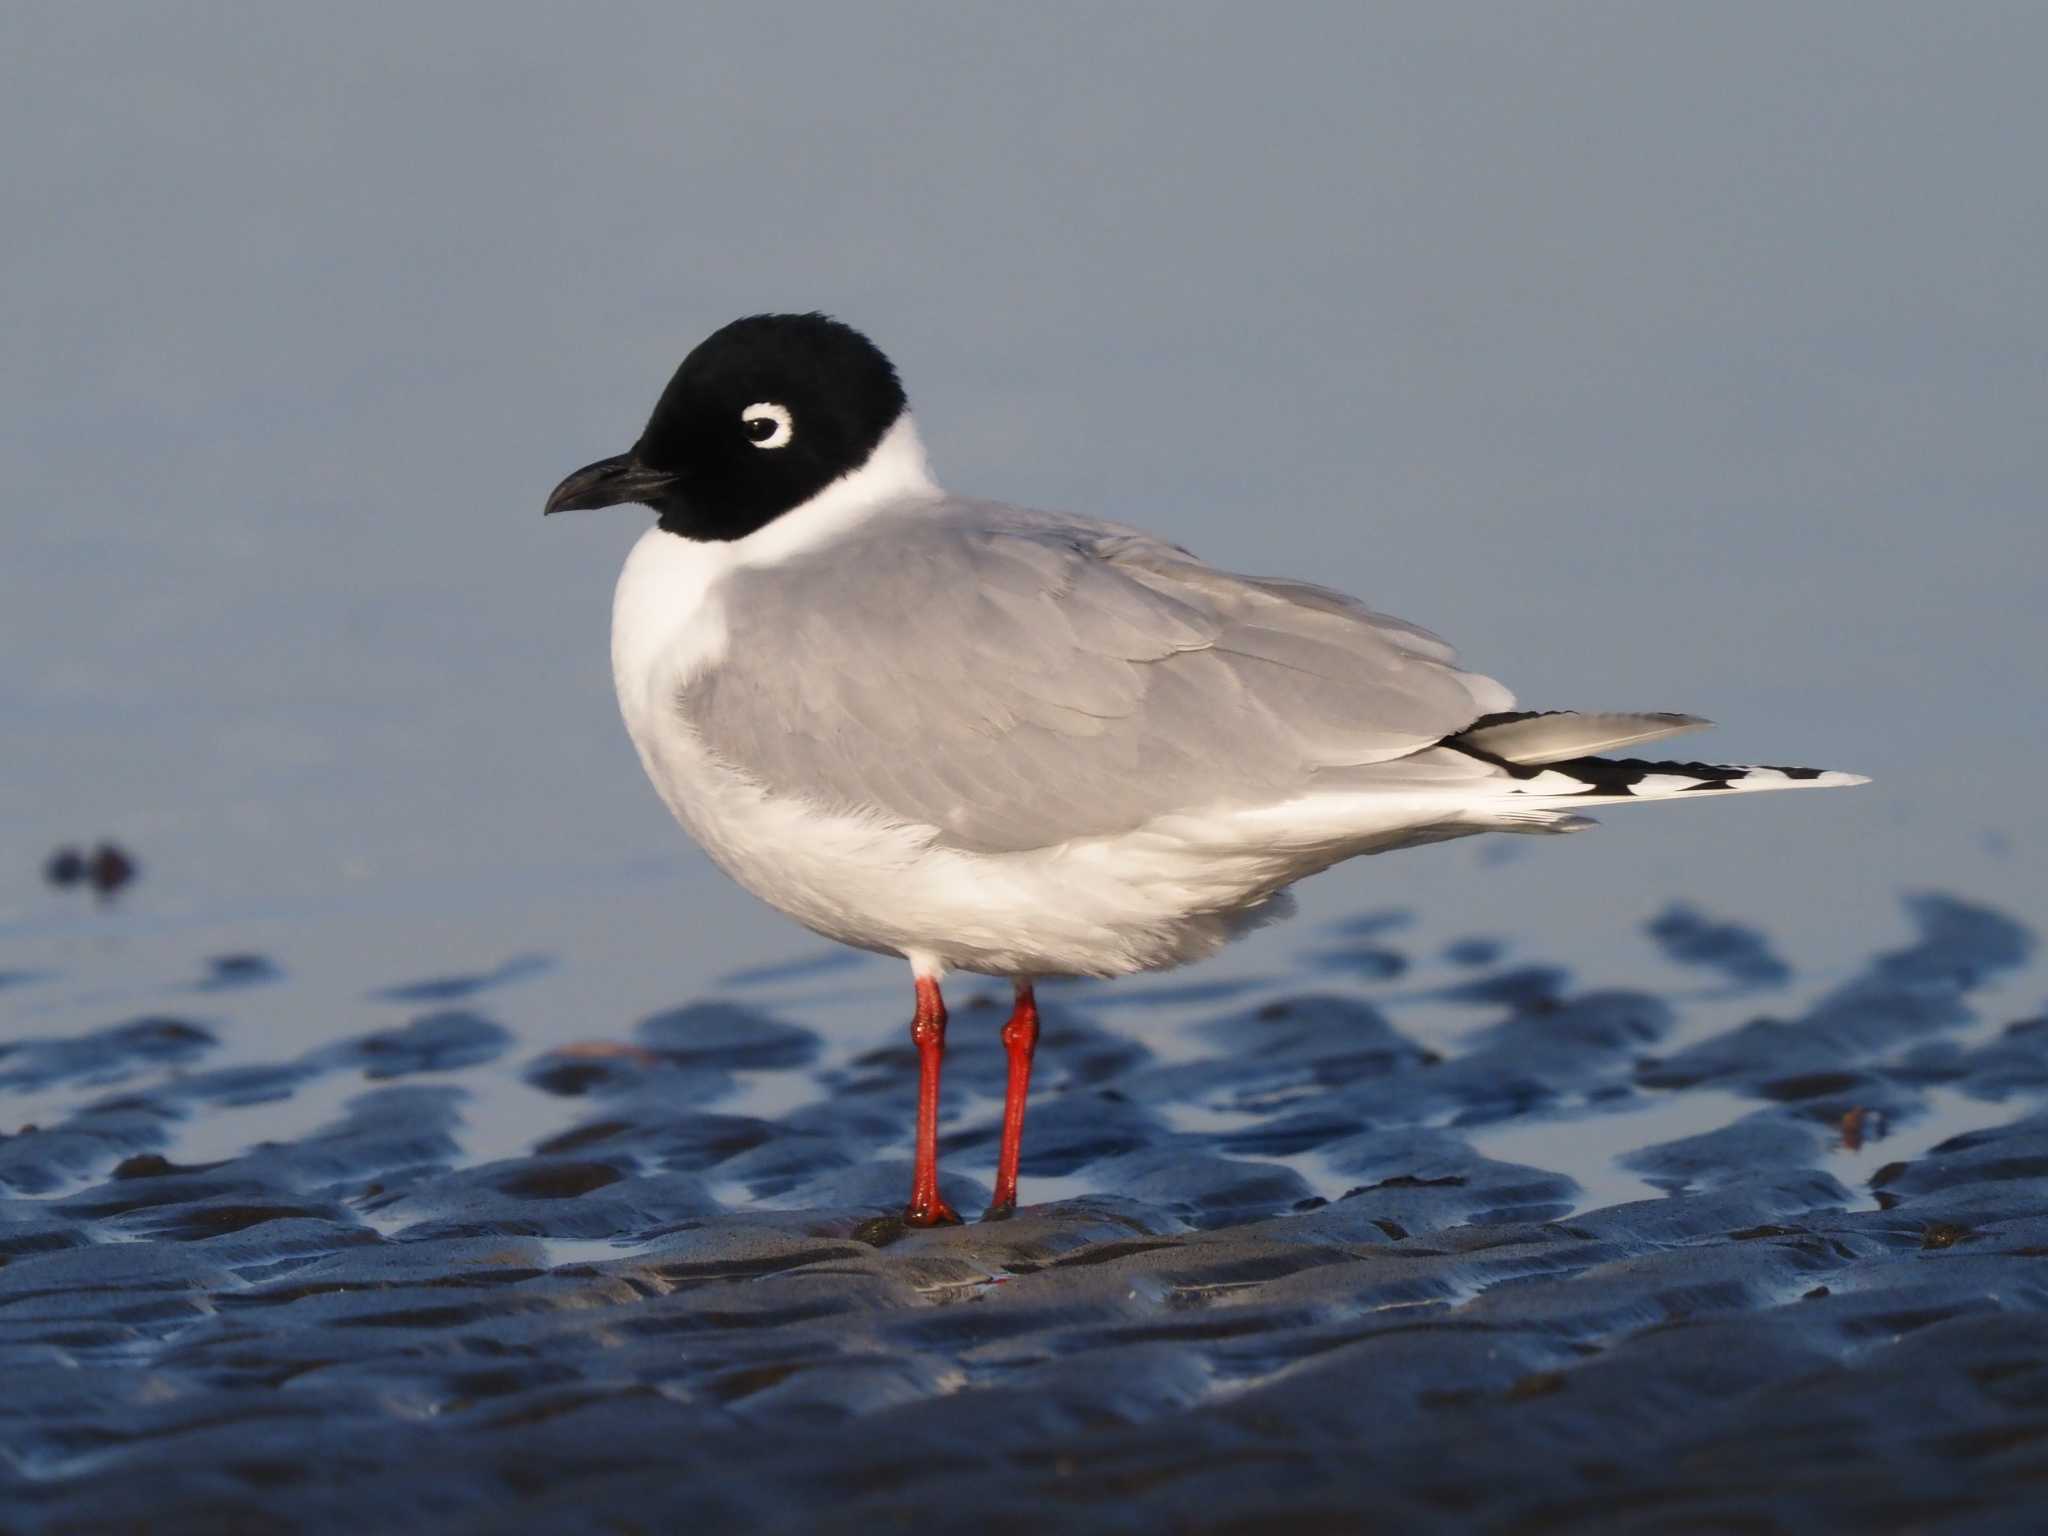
(1446,1241)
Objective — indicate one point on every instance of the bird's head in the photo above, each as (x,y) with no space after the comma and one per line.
(760,417)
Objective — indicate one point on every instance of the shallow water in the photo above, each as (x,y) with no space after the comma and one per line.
(1447,1232)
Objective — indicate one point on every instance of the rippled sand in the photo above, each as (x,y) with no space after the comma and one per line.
(1445,1243)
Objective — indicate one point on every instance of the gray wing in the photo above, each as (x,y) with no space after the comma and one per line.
(1015,679)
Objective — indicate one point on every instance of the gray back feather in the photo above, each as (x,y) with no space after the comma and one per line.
(1015,679)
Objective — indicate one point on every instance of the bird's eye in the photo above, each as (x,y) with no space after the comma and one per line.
(767,425)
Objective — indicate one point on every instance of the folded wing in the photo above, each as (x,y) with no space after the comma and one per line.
(1015,680)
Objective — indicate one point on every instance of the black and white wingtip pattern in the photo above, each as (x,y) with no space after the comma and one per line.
(1625,778)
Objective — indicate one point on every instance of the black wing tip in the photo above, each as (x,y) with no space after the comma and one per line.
(1621,775)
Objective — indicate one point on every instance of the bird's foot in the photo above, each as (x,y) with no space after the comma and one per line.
(1001,1212)
(930,1213)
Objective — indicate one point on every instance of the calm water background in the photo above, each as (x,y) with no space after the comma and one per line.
(1660,360)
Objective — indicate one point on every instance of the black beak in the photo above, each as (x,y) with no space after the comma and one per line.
(608,483)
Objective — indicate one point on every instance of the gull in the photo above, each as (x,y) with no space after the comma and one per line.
(1027,744)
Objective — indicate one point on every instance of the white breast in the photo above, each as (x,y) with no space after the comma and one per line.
(668,624)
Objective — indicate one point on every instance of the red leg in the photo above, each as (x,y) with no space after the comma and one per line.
(928,1034)
(1020,1039)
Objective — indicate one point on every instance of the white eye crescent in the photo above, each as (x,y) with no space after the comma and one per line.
(768,425)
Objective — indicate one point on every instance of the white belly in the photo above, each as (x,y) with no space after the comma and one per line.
(1086,909)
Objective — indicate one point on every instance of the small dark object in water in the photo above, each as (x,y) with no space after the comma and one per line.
(1474,952)
(109,870)
(106,869)
(241,970)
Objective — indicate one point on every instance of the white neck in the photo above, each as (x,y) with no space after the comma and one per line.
(666,617)
(898,470)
